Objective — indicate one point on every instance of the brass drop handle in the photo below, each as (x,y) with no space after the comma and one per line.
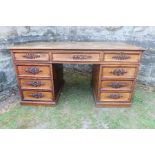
(118,72)
(35,83)
(80,56)
(121,56)
(31,56)
(115,96)
(37,95)
(33,70)
(117,85)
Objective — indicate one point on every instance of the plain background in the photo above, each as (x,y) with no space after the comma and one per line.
(77,13)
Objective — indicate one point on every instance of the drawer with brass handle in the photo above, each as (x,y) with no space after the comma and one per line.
(35,84)
(76,57)
(34,71)
(119,71)
(37,95)
(115,96)
(116,85)
(27,55)
(121,56)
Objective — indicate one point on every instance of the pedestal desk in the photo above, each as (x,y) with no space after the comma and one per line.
(39,70)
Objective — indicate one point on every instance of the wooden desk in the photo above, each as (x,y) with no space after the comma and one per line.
(39,69)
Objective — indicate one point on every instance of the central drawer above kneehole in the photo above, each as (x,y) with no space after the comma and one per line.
(76,57)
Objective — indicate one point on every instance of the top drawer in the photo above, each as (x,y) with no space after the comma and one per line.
(72,57)
(121,71)
(35,55)
(122,56)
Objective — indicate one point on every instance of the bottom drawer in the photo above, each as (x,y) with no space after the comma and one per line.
(37,95)
(111,97)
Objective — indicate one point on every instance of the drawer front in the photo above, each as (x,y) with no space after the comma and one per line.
(34,71)
(116,85)
(76,57)
(37,95)
(29,56)
(35,84)
(119,72)
(110,97)
(122,56)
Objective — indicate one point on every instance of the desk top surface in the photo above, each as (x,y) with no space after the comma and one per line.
(77,45)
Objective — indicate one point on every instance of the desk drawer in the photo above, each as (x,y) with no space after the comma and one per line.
(37,95)
(35,84)
(34,71)
(76,57)
(27,55)
(110,97)
(119,72)
(117,85)
(120,56)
